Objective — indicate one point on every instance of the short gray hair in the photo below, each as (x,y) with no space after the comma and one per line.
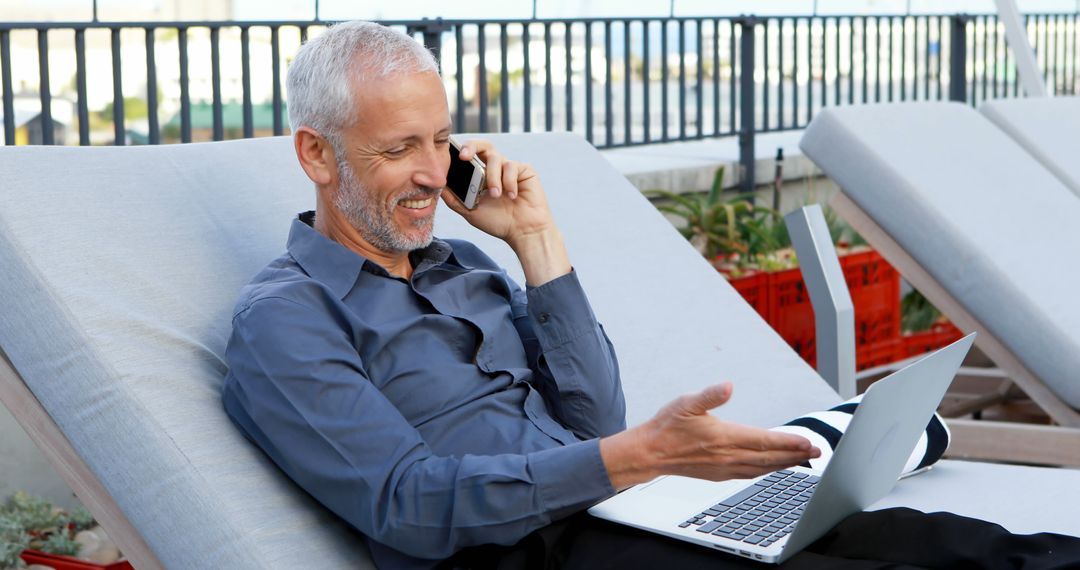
(321,77)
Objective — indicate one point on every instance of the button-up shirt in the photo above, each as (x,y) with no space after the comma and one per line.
(433,413)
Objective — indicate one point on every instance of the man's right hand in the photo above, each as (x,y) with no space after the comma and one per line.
(684,439)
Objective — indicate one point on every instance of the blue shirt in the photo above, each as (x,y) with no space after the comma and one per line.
(448,410)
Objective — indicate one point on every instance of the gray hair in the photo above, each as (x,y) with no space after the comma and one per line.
(321,77)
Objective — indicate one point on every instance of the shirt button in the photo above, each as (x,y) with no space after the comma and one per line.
(544,318)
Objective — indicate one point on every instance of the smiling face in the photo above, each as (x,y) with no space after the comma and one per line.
(394,160)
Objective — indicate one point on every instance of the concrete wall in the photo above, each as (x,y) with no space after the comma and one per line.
(24,468)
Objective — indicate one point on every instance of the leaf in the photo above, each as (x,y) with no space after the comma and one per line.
(730,225)
(717,188)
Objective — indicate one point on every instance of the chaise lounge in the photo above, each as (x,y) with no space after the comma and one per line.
(986,233)
(121,266)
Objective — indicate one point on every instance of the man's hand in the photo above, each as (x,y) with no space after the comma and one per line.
(515,210)
(684,439)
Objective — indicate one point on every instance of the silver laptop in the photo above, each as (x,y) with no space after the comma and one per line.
(773,517)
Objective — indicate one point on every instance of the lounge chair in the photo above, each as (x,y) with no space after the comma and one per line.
(986,233)
(121,266)
(1047,128)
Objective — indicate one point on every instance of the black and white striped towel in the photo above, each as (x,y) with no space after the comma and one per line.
(824,430)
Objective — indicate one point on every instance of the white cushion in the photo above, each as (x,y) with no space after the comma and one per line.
(1047,127)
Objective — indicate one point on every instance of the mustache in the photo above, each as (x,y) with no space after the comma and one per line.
(420,194)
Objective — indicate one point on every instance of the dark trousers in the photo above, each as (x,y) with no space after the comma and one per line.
(892,538)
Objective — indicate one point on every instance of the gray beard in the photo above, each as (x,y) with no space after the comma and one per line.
(375,221)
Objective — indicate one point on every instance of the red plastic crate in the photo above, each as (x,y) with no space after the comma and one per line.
(875,294)
(791,314)
(754,288)
(874,286)
(877,354)
(69,563)
(942,334)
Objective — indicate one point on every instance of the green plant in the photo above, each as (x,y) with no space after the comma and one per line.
(60,543)
(736,234)
(81,519)
(716,226)
(27,521)
(134,108)
(34,514)
(916,313)
(13,540)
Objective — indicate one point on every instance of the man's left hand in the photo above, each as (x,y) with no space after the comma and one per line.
(515,209)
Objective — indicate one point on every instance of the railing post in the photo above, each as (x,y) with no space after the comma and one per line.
(432,31)
(958,58)
(747,97)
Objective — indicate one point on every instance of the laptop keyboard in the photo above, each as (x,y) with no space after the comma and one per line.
(761,514)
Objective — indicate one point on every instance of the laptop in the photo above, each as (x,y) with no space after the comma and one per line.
(773,517)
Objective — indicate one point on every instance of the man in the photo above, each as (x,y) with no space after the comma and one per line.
(407,383)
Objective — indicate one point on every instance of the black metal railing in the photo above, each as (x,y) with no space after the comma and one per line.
(616,81)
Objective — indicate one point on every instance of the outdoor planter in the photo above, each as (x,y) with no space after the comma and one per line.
(68,562)
(33,531)
(941,334)
(754,287)
(781,298)
(749,244)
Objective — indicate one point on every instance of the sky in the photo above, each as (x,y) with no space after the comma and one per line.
(471,9)
(514,9)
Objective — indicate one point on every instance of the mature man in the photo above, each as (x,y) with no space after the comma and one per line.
(413,388)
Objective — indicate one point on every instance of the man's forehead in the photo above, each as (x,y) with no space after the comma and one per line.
(403,106)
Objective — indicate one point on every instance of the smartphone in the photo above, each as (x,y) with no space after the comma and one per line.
(466,177)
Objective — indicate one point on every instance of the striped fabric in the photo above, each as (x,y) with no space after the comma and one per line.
(824,430)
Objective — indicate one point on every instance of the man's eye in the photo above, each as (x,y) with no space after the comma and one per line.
(396,151)
(442,142)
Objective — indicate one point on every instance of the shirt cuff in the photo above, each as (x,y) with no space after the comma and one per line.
(571,478)
(560,311)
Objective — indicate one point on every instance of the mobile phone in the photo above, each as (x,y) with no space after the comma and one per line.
(465,177)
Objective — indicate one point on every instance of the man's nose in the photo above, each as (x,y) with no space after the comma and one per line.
(431,173)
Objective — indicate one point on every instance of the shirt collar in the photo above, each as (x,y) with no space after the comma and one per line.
(338,266)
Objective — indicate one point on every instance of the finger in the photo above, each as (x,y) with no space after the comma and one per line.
(709,398)
(764,440)
(493,164)
(781,440)
(494,174)
(774,460)
(454,204)
(510,179)
(474,148)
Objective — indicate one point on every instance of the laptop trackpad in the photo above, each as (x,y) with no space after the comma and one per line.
(682,488)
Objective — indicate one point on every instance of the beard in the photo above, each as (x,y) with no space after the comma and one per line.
(375,220)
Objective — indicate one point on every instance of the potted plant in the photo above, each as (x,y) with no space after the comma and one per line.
(13,540)
(750,246)
(923,327)
(734,228)
(33,531)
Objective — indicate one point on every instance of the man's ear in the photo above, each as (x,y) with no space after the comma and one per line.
(316,156)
